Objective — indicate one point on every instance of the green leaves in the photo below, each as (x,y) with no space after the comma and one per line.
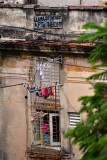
(94,26)
(91,134)
(88,133)
(85,37)
(98,76)
(98,53)
(97,32)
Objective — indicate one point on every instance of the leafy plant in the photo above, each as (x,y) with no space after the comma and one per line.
(91,134)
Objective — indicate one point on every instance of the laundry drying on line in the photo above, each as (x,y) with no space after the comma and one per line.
(41,92)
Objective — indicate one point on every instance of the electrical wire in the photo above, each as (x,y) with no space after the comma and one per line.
(65,64)
(31,30)
(12,85)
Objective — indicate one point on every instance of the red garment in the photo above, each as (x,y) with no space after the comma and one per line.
(45,128)
(50,92)
(44,92)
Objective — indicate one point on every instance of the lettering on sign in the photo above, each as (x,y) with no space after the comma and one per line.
(48,21)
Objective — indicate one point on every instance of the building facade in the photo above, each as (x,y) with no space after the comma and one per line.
(42,75)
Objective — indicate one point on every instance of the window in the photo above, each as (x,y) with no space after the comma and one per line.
(47,128)
(74,119)
(54,129)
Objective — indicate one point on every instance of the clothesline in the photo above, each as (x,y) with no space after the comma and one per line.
(13,85)
(32,89)
(44,92)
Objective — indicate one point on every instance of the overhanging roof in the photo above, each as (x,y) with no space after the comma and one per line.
(46,47)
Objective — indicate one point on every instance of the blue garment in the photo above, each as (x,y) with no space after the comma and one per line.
(46,137)
(31,90)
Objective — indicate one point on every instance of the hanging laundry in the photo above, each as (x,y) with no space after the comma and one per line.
(32,119)
(45,93)
(50,91)
(31,89)
(44,114)
(39,92)
(45,128)
(45,131)
(36,116)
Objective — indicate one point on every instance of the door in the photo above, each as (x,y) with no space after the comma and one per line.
(54,129)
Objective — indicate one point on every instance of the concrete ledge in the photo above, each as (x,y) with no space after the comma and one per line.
(37,7)
(86,8)
(23,6)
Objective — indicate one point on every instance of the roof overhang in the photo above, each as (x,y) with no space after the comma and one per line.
(47,48)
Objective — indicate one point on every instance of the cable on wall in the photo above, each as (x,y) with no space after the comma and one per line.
(12,85)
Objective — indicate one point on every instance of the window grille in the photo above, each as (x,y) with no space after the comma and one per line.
(74,119)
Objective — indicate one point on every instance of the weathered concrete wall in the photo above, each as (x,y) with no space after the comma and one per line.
(12,17)
(77,18)
(13,70)
(74,86)
(13,120)
(24,17)
(59,3)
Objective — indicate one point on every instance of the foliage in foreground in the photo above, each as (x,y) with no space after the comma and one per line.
(91,134)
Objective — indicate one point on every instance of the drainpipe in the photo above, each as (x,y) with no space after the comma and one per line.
(80,2)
